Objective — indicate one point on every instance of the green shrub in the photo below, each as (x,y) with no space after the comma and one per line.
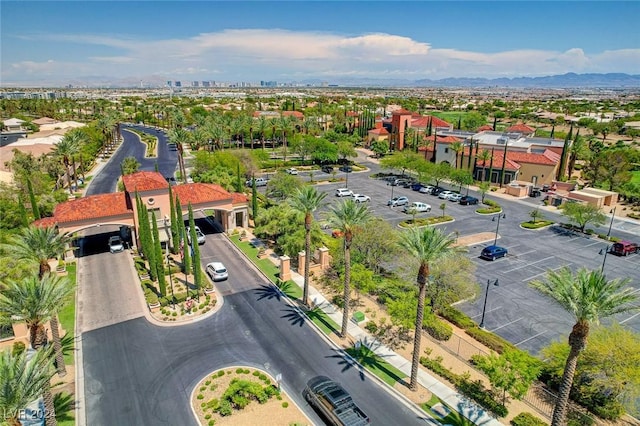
(262,376)
(18,348)
(492,341)
(490,203)
(527,419)
(437,329)
(476,391)
(200,396)
(220,373)
(437,367)
(285,404)
(575,418)
(456,317)
(151,298)
(256,373)
(239,370)
(539,224)
(371,327)
(224,409)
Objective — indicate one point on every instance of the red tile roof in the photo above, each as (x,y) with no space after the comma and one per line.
(238,198)
(444,139)
(548,158)
(91,207)
(520,127)
(484,128)
(296,114)
(198,193)
(144,181)
(380,131)
(423,122)
(402,112)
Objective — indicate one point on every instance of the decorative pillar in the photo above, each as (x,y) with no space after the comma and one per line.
(301,263)
(285,268)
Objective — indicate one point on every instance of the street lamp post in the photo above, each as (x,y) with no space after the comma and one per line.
(604,252)
(500,215)
(486,294)
(611,223)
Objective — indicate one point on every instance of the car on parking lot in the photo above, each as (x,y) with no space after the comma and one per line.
(398,201)
(260,181)
(115,244)
(468,200)
(217,271)
(455,197)
(445,194)
(436,190)
(344,192)
(418,207)
(493,252)
(417,186)
(426,189)
(292,171)
(200,238)
(625,248)
(327,169)
(346,169)
(361,198)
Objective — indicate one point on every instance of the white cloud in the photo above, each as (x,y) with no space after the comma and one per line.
(250,54)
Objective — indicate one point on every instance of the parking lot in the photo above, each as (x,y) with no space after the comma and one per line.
(514,310)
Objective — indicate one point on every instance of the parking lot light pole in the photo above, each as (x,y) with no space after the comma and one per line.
(604,252)
(500,215)
(486,294)
(611,223)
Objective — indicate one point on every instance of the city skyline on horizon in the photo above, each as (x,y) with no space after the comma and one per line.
(62,42)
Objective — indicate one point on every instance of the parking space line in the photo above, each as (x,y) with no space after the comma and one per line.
(595,243)
(532,337)
(486,311)
(504,325)
(543,273)
(630,318)
(527,252)
(528,264)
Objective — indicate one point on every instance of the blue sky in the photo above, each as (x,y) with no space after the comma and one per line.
(61,42)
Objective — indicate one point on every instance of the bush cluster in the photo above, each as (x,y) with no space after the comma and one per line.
(436,328)
(472,389)
(527,419)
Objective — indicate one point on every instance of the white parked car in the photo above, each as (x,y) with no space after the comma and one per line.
(344,192)
(418,207)
(199,235)
(259,182)
(445,195)
(361,198)
(217,271)
(455,197)
(398,201)
(426,189)
(292,171)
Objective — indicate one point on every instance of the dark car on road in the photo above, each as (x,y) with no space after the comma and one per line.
(334,403)
(468,200)
(493,252)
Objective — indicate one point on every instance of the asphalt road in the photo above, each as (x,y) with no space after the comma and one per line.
(105,181)
(137,373)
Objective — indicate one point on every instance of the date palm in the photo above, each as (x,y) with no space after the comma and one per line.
(588,296)
(38,245)
(484,156)
(66,149)
(457,148)
(307,200)
(263,125)
(348,217)
(427,246)
(22,380)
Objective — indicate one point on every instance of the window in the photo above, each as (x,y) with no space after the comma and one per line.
(446,150)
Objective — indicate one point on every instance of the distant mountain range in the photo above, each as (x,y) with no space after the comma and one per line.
(563,81)
(569,80)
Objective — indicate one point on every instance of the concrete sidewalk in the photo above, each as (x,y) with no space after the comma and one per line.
(453,399)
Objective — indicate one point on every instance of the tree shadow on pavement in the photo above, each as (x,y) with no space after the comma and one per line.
(268,292)
(294,316)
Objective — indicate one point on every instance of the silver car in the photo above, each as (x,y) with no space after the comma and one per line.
(217,271)
(200,238)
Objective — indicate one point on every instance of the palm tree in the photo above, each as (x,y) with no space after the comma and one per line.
(38,245)
(66,149)
(263,125)
(484,156)
(22,380)
(457,147)
(427,246)
(588,296)
(306,200)
(348,216)
(179,136)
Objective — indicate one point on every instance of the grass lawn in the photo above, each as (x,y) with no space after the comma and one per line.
(376,365)
(635,177)
(67,316)
(322,320)
(453,418)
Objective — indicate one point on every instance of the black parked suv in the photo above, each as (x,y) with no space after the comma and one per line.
(436,190)
(333,402)
(327,169)
(468,200)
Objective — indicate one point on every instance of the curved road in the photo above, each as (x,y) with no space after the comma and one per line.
(137,373)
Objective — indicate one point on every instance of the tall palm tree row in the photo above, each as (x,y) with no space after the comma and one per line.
(426,246)
(66,149)
(307,200)
(588,296)
(37,245)
(348,216)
